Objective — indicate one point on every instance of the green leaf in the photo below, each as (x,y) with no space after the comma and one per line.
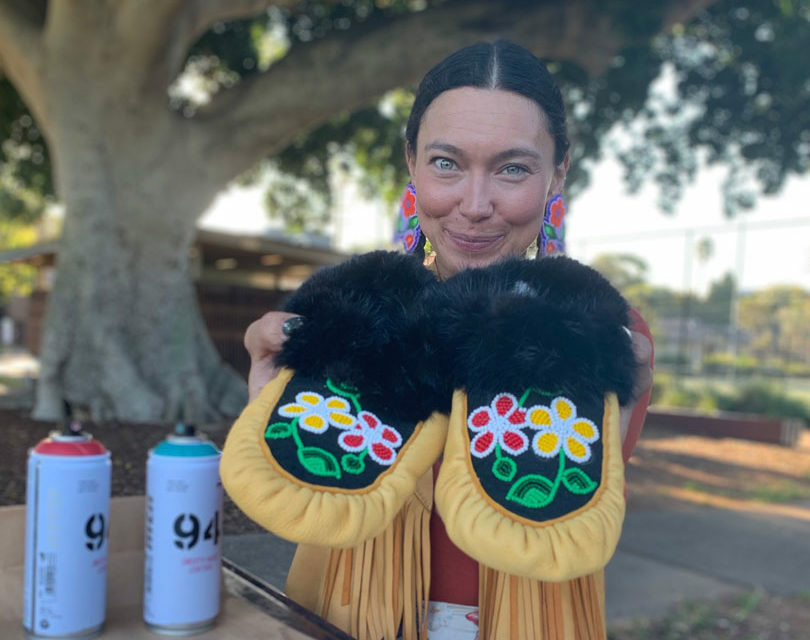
(341,387)
(532,491)
(278,430)
(319,462)
(352,463)
(577,481)
(413,222)
(504,469)
(551,231)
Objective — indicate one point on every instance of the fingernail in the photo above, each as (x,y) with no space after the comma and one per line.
(291,324)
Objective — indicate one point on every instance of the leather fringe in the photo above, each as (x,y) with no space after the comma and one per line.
(515,608)
(380,588)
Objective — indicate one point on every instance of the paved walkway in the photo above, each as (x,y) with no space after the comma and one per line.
(664,558)
(667,557)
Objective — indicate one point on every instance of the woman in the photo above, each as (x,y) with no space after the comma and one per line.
(487,150)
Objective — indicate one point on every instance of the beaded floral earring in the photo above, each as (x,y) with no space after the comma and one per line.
(552,233)
(408,230)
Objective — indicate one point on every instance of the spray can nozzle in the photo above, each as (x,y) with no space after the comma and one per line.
(182,429)
(71,426)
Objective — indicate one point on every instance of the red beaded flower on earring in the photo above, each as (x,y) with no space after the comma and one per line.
(408,230)
(552,233)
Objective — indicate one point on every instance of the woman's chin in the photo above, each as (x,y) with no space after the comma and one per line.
(457,263)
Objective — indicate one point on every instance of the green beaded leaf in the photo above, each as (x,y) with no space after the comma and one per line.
(352,463)
(319,462)
(577,481)
(551,231)
(532,491)
(504,469)
(278,430)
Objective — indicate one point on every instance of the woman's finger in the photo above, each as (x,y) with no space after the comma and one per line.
(264,338)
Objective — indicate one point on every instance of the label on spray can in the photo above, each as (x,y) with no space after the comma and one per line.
(67,525)
(183,535)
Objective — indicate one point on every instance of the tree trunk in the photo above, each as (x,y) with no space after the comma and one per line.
(124,337)
(123,334)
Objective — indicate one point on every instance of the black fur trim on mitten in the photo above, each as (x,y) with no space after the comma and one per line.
(362,326)
(553,323)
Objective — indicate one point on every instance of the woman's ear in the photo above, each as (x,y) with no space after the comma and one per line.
(560,171)
(410,159)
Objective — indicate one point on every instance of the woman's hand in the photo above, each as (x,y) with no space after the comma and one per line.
(263,340)
(642,349)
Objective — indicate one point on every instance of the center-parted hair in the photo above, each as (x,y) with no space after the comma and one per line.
(493,65)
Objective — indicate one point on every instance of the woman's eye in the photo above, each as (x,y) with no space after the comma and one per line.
(515,170)
(444,164)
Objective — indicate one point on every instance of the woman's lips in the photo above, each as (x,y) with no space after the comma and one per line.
(472,242)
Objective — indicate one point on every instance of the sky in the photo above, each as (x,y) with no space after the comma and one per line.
(765,246)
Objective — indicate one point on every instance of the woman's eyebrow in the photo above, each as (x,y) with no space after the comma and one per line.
(517,152)
(444,146)
(501,156)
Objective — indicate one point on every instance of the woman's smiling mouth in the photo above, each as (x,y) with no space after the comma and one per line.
(473,242)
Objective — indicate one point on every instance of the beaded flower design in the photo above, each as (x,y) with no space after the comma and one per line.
(370,435)
(498,425)
(555,431)
(559,427)
(360,433)
(315,413)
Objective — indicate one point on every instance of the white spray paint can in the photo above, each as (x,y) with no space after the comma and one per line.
(66,536)
(183,544)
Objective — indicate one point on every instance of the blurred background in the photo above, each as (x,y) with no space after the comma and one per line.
(170,172)
(244,147)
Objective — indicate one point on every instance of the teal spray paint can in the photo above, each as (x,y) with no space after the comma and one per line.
(183,541)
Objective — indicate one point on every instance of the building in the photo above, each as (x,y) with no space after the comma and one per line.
(238,278)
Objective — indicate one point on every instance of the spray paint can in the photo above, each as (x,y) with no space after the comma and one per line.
(66,532)
(183,541)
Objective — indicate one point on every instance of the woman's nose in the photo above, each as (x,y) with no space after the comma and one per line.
(476,200)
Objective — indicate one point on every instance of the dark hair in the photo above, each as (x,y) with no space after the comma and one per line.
(496,65)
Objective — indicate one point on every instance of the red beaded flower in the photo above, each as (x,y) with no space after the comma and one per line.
(498,424)
(371,434)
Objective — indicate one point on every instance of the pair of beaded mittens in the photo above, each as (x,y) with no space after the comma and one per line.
(513,373)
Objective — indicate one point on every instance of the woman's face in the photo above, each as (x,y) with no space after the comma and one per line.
(483,168)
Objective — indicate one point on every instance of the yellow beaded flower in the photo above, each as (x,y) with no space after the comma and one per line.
(315,413)
(557,425)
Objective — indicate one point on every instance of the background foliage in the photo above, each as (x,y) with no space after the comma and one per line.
(738,96)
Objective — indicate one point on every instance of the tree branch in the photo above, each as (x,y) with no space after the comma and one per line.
(22,54)
(196,17)
(683,11)
(147,29)
(347,69)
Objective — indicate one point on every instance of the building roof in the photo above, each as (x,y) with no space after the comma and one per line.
(230,259)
